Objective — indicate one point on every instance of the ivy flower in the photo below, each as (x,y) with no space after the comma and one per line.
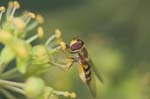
(30,60)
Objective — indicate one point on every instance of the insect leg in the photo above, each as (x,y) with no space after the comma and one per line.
(70,61)
(60,66)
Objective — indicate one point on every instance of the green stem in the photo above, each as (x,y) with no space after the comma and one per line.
(9,74)
(18,90)
(32,39)
(11,83)
(50,39)
(7,94)
(54,50)
(59,92)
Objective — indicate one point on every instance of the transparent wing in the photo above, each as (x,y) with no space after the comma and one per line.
(59,59)
(92,85)
(96,72)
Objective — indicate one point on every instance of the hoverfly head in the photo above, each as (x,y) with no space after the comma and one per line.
(76,44)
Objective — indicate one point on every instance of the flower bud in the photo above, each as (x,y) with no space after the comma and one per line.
(34,87)
(40,60)
(40,55)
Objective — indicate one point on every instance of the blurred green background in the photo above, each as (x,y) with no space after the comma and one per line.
(117,36)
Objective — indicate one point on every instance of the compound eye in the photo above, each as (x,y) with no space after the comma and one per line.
(77,46)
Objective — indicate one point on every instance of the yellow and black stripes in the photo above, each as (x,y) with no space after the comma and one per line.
(87,72)
(83,56)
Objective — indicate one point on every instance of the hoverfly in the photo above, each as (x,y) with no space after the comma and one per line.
(87,72)
(75,52)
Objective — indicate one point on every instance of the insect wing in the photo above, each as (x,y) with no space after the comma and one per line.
(96,73)
(59,59)
(92,85)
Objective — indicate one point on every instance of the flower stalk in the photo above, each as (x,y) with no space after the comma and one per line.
(11,83)
(7,94)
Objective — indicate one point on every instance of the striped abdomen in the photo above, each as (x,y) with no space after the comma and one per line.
(83,58)
(87,71)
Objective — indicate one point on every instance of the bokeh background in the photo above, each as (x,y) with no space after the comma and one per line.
(117,36)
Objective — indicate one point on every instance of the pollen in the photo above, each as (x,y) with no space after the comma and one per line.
(16,4)
(2,9)
(58,33)
(30,14)
(73,95)
(10,4)
(40,19)
(40,32)
(63,45)
(66,94)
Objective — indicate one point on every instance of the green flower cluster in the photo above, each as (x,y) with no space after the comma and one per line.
(30,60)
